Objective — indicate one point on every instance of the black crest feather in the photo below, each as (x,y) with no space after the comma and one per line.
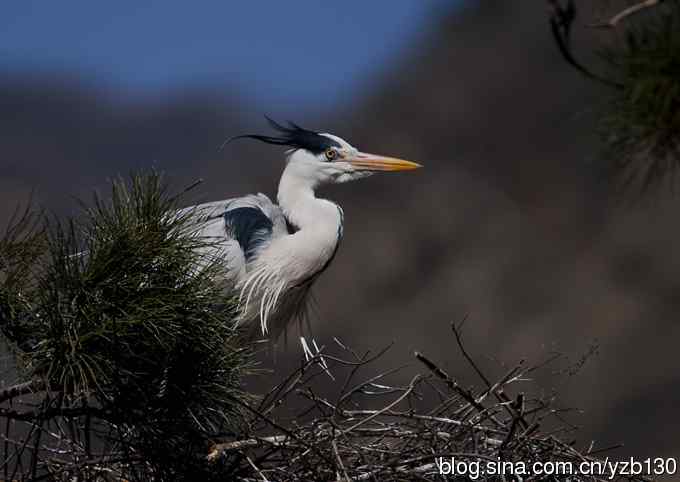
(293,136)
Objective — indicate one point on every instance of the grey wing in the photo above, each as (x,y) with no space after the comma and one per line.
(240,228)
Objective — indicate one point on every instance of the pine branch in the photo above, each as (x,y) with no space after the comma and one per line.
(137,347)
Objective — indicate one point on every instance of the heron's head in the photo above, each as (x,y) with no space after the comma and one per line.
(323,158)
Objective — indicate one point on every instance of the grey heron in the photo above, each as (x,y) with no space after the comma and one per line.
(275,252)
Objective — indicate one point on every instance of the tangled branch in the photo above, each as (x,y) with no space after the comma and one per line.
(372,429)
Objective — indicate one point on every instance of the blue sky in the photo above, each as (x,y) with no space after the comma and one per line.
(311,53)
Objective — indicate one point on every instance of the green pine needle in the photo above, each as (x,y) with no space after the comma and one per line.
(110,310)
(641,123)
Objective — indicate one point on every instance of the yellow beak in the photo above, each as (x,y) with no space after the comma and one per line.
(372,162)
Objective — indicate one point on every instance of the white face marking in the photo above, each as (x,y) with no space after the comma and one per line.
(345,149)
(344,145)
(319,170)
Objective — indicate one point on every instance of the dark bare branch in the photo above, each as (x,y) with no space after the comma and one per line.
(25,388)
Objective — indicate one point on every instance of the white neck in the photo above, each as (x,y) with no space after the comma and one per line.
(300,205)
(318,222)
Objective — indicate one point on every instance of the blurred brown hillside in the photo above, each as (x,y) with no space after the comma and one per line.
(507,222)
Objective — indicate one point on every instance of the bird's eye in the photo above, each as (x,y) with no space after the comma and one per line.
(331,154)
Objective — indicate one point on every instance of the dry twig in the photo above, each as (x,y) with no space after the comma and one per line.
(627,12)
